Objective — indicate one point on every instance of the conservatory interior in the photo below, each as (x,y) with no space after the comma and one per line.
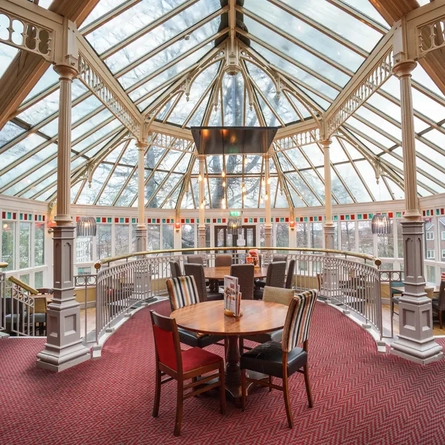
(105,115)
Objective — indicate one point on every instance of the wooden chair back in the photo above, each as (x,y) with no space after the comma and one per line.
(245,274)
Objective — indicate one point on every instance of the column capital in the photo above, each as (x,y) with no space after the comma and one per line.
(141,145)
(404,68)
(66,72)
(326,142)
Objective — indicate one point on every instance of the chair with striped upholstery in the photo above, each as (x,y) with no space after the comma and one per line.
(283,359)
(182,292)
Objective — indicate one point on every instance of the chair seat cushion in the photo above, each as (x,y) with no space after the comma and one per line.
(196,357)
(268,336)
(268,359)
(197,339)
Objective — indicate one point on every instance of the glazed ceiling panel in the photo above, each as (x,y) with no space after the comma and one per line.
(293,60)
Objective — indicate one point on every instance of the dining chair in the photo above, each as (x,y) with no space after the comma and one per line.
(223,259)
(283,359)
(245,274)
(197,271)
(274,295)
(175,269)
(439,303)
(181,366)
(182,292)
(38,315)
(196,259)
(278,257)
(276,272)
(290,275)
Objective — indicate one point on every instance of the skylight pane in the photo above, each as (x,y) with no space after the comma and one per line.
(305,34)
(162,76)
(338,21)
(129,22)
(167,31)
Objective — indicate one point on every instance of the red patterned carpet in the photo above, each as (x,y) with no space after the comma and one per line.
(360,396)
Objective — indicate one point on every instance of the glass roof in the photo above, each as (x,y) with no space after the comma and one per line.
(171,57)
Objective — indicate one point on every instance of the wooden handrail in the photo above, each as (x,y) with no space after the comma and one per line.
(23,285)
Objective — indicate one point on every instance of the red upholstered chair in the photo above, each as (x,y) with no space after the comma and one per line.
(283,359)
(182,366)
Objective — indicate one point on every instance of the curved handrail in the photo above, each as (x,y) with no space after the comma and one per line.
(363,256)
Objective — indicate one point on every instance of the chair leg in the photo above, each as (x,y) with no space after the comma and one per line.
(440,319)
(308,385)
(270,383)
(290,420)
(222,388)
(157,393)
(243,389)
(179,407)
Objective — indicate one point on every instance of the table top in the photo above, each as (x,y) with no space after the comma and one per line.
(217,273)
(208,317)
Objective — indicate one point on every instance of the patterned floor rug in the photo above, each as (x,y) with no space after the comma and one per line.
(360,396)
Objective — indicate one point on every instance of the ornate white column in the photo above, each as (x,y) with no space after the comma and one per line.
(64,347)
(202,224)
(141,231)
(330,274)
(267,203)
(329,228)
(416,341)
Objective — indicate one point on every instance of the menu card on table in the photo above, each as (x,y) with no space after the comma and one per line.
(232,296)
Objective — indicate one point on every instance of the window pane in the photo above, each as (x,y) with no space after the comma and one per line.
(25,244)
(168,236)
(104,241)
(8,242)
(282,235)
(302,235)
(385,246)
(84,249)
(121,239)
(317,235)
(39,244)
(348,236)
(366,238)
(153,237)
(38,280)
(187,235)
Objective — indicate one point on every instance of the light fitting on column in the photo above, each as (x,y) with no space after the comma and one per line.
(381,224)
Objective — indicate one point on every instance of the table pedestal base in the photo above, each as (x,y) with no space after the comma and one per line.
(233,372)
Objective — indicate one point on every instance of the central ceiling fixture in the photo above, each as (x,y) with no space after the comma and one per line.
(233,140)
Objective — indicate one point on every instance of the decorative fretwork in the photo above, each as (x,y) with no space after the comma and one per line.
(26,35)
(431,37)
(298,140)
(171,142)
(378,76)
(98,85)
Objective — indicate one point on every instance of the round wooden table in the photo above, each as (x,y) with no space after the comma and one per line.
(208,317)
